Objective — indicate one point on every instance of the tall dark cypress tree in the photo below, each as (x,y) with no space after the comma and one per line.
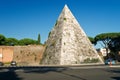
(39,39)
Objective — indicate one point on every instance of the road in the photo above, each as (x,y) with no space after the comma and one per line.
(60,73)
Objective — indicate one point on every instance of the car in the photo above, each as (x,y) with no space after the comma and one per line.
(109,61)
(1,63)
(13,63)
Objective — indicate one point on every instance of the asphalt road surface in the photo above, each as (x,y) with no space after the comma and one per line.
(60,73)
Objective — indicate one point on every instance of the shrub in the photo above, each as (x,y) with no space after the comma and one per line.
(93,60)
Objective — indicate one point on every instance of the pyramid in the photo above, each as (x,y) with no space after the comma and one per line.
(68,44)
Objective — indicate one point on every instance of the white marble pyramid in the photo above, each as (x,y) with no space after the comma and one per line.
(68,44)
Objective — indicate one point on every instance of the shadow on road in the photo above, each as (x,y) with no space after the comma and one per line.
(75,76)
(43,69)
(60,70)
(115,73)
(116,78)
(114,70)
(8,74)
(11,74)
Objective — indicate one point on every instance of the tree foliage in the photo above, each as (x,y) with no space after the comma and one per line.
(111,41)
(115,47)
(27,41)
(92,40)
(11,41)
(115,44)
(2,39)
(39,39)
(106,38)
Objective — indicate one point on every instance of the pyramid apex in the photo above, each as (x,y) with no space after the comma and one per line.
(65,13)
(65,6)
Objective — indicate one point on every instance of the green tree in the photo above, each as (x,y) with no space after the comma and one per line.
(114,46)
(39,39)
(11,41)
(92,40)
(27,41)
(107,39)
(2,39)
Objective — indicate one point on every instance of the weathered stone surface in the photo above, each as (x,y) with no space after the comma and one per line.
(28,55)
(23,55)
(68,44)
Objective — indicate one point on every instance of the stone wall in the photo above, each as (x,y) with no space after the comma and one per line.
(6,54)
(23,55)
(28,55)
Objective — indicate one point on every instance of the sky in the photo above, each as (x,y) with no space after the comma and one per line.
(27,18)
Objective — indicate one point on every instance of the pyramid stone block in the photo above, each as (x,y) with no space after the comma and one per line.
(68,44)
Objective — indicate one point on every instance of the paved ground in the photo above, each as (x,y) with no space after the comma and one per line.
(61,73)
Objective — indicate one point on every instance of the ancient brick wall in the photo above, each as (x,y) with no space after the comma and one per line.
(23,55)
(6,54)
(28,55)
